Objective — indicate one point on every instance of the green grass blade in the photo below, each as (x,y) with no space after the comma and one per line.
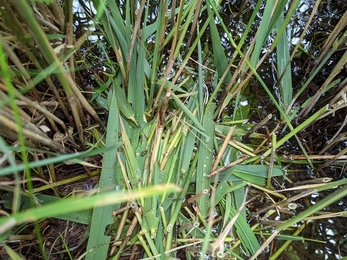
(102,216)
(245,233)
(205,159)
(219,56)
(284,66)
(159,34)
(124,106)
(302,126)
(11,253)
(263,31)
(82,217)
(188,112)
(328,200)
(256,174)
(73,204)
(61,158)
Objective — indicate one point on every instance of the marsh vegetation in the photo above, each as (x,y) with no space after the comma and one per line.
(173,129)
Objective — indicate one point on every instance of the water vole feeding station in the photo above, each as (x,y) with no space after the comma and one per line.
(173,129)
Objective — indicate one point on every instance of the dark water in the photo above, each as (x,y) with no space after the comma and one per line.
(331,233)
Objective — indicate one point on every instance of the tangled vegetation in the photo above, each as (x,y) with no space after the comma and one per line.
(172,129)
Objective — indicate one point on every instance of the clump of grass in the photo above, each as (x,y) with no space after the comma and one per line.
(164,130)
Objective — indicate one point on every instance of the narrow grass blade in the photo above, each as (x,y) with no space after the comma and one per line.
(219,56)
(256,174)
(263,31)
(82,217)
(61,158)
(131,162)
(299,128)
(328,200)
(11,253)
(160,32)
(205,159)
(125,108)
(284,66)
(68,205)
(188,112)
(102,216)
(246,234)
